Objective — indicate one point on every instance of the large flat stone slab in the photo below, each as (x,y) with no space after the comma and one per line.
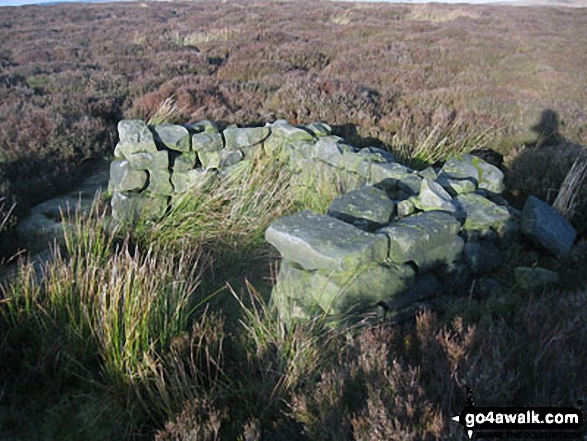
(547,227)
(365,207)
(480,214)
(487,176)
(316,241)
(135,137)
(173,137)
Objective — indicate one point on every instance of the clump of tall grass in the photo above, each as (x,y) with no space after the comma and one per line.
(167,112)
(567,199)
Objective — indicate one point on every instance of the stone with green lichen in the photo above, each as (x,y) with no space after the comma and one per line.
(282,129)
(316,241)
(384,174)
(130,207)
(480,214)
(405,208)
(203,126)
(338,292)
(159,182)
(425,238)
(320,129)
(410,184)
(192,179)
(433,197)
(207,142)
(243,138)
(173,137)
(487,176)
(185,162)
(230,157)
(368,204)
(135,137)
(532,278)
(124,178)
(457,186)
(330,150)
(151,160)
(428,173)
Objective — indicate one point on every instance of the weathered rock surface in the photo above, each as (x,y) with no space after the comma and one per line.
(433,197)
(547,227)
(124,178)
(486,175)
(480,214)
(173,137)
(317,241)
(368,206)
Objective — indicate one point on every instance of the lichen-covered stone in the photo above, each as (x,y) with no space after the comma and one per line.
(547,227)
(320,129)
(428,173)
(203,126)
(433,197)
(135,137)
(191,180)
(243,138)
(208,147)
(486,175)
(426,239)
(339,292)
(230,157)
(130,207)
(480,214)
(330,150)
(152,160)
(124,178)
(385,174)
(532,278)
(405,208)
(367,204)
(184,162)
(160,183)
(316,241)
(173,137)
(375,154)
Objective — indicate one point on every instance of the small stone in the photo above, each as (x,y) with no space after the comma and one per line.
(207,142)
(433,197)
(320,129)
(124,178)
(367,204)
(547,227)
(428,173)
(405,208)
(173,137)
(229,157)
(386,175)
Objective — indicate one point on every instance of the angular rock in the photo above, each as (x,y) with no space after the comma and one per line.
(159,183)
(486,175)
(375,154)
(153,160)
(405,208)
(330,150)
(243,138)
(424,287)
(410,184)
(427,239)
(173,137)
(367,204)
(130,207)
(455,187)
(229,157)
(532,278)
(547,227)
(316,241)
(135,137)
(480,214)
(208,147)
(320,129)
(184,162)
(203,126)
(124,178)
(428,173)
(282,129)
(191,180)
(337,292)
(433,197)
(483,257)
(384,175)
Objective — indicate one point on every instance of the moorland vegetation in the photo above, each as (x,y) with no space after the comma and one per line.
(165,330)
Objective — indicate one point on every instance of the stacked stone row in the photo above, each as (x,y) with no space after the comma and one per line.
(409,238)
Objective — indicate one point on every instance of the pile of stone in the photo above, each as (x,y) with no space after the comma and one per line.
(407,239)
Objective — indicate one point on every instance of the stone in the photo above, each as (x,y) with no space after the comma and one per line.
(455,187)
(433,197)
(131,207)
(192,179)
(184,162)
(320,129)
(375,154)
(135,137)
(330,150)
(487,176)
(531,278)
(547,227)
(481,215)
(405,208)
(160,183)
(152,160)
(337,292)
(173,137)
(208,147)
(424,287)
(428,173)
(317,241)
(243,138)
(384,175)
(124,178)
(367,204)
(282,129)
(410,184)
(203,126)
(427,239)
(482,257)
(229,157)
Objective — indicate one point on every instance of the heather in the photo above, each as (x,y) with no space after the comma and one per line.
(165,329)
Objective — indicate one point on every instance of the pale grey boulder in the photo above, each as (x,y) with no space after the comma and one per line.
(405,208)
(410,184)
(244,138)
(487,176)
(367,206)
(184,162)
(208,145)
(135,137)
(319,129)
(317,241)
(428,173)
(330,150)
(427,239)
(384,174)
(480,215)
(124,178)
(433,197)
(160,183)
(547,227)
(153,160)
(173,137)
